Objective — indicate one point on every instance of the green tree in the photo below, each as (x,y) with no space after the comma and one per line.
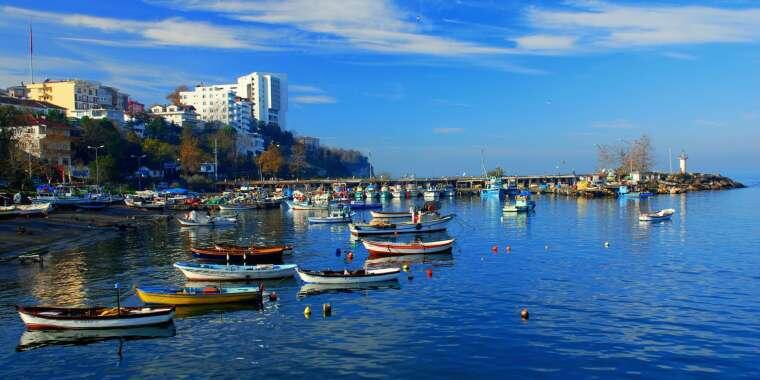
(158,151)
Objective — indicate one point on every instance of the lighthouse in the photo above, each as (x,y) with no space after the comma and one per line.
(682,161)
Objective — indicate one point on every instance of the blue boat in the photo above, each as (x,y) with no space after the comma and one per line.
(494,188)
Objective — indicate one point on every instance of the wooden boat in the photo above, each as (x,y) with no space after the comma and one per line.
(202,220)
(251,248)
(45,318)
(238,207)
(522,203)
(33,339)
(412,248)
(385,228)
(335,216)
(258,256)
(391,214)
(221,272)
(656,216)
(198,296)
(348,277)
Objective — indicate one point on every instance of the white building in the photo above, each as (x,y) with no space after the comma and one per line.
(115,115)
(177,115)
(267,93)
(220,104)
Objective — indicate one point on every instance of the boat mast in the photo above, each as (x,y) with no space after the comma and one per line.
(482,163)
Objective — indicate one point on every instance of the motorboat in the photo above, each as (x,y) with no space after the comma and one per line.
(44,318)
(335,215)
(494,188)
(254,256)
(221,272)
(522,203)
(656,216)
(347,276)
(411,248)
(427,222)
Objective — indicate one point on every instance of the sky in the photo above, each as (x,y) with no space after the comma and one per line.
(431,87)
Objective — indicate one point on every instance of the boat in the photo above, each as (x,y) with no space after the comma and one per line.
(359,193)
(198,296)
(391,214)
(398,192)
(47,318)
(411,248)
(251,248)
(33,339)
(410,190)
(306,205)
(335,216)
(522,203)
(360,205)
(221,272)
(385,192)
(257,256)
(32,209)
(494,188)
(656,216)
(449,191)
(94,202)
(194,218)
(348,277)
(431,192)
(430,224)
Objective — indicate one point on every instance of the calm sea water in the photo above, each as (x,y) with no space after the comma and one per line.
(675,299)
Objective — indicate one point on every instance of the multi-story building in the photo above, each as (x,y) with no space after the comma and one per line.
(219,104)
(45,140)
(310,143)
(78,97)
(179,115)
(17,92)
(134,107)
(36,106)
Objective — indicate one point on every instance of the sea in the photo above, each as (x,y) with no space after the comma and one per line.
(607,297)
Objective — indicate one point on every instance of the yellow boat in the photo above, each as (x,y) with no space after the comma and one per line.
(198,296)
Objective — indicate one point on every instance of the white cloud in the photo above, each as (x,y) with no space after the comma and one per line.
(447,131)
(606,25)
(299,88)
(677,55)
(545,42)
(313,99)
(167,32)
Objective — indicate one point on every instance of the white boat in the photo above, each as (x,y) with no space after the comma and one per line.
(93,318)
(348,277)
(656,216)
(397,191)
(431,193)
(411,248)
(221,272)
(197,219)
(436,223)
(32,209)
(237,207)
(391,214)
(306,206)
(335,216)
(522,203)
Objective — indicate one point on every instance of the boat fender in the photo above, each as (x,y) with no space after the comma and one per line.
(524,314)
(307,311)
(273,296)
(606,244)
(509,248)
(326,310)
(350,255)
(405,267)
(418,226)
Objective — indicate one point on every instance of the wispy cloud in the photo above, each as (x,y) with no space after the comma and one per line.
(313,99)
(299,88)
(447,131)
(680,56)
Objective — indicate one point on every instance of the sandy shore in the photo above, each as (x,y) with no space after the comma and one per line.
(67,229)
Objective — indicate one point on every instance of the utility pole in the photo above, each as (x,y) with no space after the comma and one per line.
(216,160)
(139,173)
(97,164)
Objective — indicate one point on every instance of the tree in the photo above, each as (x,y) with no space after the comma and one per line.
(496,172)
(158,151)
(298,163)
(173,97)
(627,156)
(190,154)
(270,161)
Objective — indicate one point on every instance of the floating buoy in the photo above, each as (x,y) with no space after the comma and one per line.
(405,267)
(546,248)
(429,272)
(307,311)
(337,251)
(495,248)
(509,248)
(326,310)
(273,296)
(606,244)
(350,255)
(524,314)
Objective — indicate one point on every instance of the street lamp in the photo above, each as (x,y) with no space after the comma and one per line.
(139,173)
(97,167)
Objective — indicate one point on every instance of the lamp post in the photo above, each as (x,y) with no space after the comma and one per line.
(97,166)
(139,173)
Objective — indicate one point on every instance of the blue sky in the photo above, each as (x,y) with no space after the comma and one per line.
(425,85)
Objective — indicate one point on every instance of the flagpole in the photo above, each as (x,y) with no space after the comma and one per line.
(31,53)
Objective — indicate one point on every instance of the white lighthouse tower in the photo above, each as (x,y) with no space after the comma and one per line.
(682,161)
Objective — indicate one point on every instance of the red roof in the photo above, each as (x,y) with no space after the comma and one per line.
(28,119)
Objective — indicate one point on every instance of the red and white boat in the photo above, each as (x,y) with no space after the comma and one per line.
(412,248)
(45,318)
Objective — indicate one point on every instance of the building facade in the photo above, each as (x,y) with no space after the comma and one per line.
(183,116)
(79,97)
(45,140)
(219,104)
(134,107)
(30,105)
(310,143)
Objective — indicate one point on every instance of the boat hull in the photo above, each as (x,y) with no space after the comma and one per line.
(400,228)
(209,272)
(372,276)
(35,321)
(377,248)
(197,298)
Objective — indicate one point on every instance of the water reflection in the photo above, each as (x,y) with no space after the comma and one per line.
(438,259)
(190,311)
(31,340)
(315,289)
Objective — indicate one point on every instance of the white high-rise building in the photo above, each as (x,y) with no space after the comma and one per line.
(219,103)
(269,94)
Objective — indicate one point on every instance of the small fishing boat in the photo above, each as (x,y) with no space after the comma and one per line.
(251,248)
(198,296)
(397,191)
(431,192)
(431,224)
(254,256)
(348,277)
(449,191)
(371,191)
(306,205)
(32,209)
(335,216)
(656,216)
(391,214)
(411,248)
(522,203)
(221,272)
(360,205)
(494,188)
(47,318)
(237,206)
(385,192)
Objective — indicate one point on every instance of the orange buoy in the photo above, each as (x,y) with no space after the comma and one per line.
(429,272)
(350,255)
(495,248)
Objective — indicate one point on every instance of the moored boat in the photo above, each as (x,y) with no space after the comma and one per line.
(348,277)
(437,223)
(194,218)
(198,296)
(257,256)
(522,203)
(494,188)
(221,272)
(42,317)
(656,216)
(342,215)
(411,248)
(391,214)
